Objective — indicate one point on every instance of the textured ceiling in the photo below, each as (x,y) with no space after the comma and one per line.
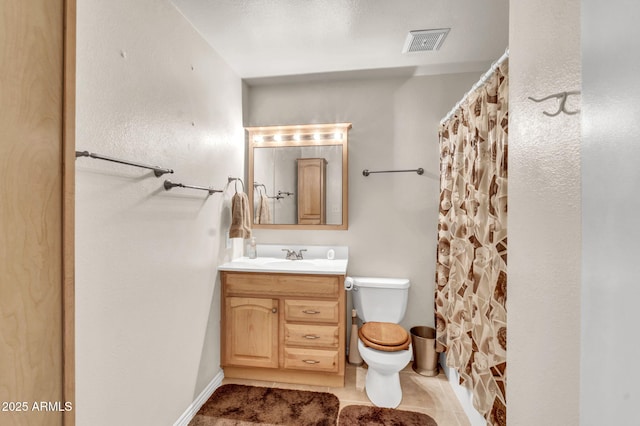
(275,38)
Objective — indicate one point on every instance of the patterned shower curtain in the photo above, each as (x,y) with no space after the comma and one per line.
(471,272)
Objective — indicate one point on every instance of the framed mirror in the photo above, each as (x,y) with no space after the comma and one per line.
(298,176)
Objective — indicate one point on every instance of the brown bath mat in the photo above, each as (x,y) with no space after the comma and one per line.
(376,416)
(242,405)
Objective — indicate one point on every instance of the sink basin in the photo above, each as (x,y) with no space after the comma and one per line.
(271,259)
(269,264)
(301,262)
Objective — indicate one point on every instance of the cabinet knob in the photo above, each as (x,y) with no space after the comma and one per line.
(274,310)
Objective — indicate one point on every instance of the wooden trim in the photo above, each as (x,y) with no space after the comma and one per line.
(250,179)
(304,130)
(32,155)
(303,227)
(298,128)
(345,184)
(68,211)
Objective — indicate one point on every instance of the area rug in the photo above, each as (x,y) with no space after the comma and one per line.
(245,405)
(376,416)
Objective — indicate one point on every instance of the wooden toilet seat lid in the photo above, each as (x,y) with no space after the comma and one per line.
(384,336)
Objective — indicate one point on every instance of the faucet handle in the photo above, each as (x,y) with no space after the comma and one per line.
(299,255)
(291,254)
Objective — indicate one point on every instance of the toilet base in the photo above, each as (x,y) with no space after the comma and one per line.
(383,389)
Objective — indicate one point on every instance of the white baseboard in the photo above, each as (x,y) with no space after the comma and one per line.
(206,393)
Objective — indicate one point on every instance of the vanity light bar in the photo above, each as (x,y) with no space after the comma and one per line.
(298,137)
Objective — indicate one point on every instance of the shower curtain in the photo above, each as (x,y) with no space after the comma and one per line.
(471,270)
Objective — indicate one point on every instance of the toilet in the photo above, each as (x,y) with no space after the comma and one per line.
(383,344)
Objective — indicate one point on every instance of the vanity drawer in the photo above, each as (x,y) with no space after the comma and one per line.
(311,335)
(285,284)
(309,285)
(319,311)
(311,359)
(245,283)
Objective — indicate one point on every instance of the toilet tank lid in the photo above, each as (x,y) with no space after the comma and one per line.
(381,282)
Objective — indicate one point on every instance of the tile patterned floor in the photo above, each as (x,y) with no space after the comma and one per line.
(430,395)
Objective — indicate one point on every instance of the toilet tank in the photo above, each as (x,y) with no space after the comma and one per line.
(380,299)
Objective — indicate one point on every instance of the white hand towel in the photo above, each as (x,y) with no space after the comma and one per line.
(263,214)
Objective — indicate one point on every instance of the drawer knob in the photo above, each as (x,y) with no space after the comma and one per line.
(311,336)
(311,361)
(310,311)
(274,310)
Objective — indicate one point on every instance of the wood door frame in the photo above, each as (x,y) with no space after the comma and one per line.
(68,210)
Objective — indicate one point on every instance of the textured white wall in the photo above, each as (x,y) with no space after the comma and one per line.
(147,322)
(392,217)
(610,202)
(544,216)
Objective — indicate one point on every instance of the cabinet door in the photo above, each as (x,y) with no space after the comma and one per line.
(312,191)
(252,332)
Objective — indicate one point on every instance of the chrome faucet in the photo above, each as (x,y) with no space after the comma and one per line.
(292,255)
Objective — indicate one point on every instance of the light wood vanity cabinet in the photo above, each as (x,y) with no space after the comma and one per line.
(283,327)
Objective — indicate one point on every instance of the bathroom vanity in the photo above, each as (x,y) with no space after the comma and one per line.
(284,320)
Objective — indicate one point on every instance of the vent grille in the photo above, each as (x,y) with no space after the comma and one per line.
(425,40)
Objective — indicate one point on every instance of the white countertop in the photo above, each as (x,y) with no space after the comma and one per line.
(271,258)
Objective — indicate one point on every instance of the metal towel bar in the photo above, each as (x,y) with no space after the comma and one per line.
(419,171)
(158,171)
(281,194)
(168,185)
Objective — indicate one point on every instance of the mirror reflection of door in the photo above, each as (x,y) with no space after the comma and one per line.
(312,191)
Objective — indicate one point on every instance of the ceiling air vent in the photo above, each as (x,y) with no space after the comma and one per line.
(425,40)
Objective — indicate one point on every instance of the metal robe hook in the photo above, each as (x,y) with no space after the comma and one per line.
(562,100)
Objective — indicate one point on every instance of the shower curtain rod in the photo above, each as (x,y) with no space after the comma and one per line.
(479,83)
